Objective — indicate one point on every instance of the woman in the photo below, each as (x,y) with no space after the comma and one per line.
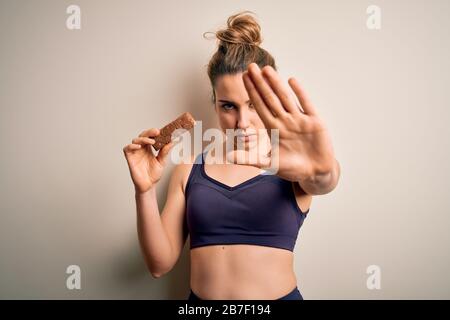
(243,224)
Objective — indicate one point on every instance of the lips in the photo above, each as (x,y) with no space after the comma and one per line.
(247,137)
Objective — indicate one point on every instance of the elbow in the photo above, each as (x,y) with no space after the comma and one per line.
(156,275)
(158,272)
(159,266)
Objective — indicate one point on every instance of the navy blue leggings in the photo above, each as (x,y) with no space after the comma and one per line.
(293,295)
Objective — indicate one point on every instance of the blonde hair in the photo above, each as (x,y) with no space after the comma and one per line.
(239,45)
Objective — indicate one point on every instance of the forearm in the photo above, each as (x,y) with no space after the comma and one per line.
(153,238)
(322,183)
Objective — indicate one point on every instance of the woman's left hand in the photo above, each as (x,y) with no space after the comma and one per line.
(304,149)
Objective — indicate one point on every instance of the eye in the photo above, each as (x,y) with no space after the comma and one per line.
(227,106)
(251,105)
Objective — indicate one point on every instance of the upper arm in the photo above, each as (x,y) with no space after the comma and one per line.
(303,199)
(173,214)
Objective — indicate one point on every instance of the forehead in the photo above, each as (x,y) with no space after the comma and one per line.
(231,87)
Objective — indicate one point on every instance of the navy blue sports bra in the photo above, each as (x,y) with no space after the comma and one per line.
(260,211)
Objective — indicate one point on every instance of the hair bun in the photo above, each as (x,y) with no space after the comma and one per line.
(242,28)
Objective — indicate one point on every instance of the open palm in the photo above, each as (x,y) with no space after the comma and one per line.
(304,147)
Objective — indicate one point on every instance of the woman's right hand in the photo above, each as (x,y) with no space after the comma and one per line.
(145,168)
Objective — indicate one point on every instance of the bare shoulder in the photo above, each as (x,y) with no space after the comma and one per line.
(304,199)
(181,173)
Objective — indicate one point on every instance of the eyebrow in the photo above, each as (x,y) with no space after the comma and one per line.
(248,101)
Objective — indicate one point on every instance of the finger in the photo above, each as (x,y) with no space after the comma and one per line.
(266,115)
(143,141)
(303,98)
(163,152)
(270,99)
(275,82)
(131,147)
(153,132)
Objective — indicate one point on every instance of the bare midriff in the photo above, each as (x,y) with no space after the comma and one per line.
(241,271)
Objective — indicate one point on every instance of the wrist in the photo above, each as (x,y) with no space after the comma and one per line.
(141,193)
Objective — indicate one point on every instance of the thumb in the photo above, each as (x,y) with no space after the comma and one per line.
(162,155)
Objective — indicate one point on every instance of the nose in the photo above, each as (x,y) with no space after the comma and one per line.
(243,119)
